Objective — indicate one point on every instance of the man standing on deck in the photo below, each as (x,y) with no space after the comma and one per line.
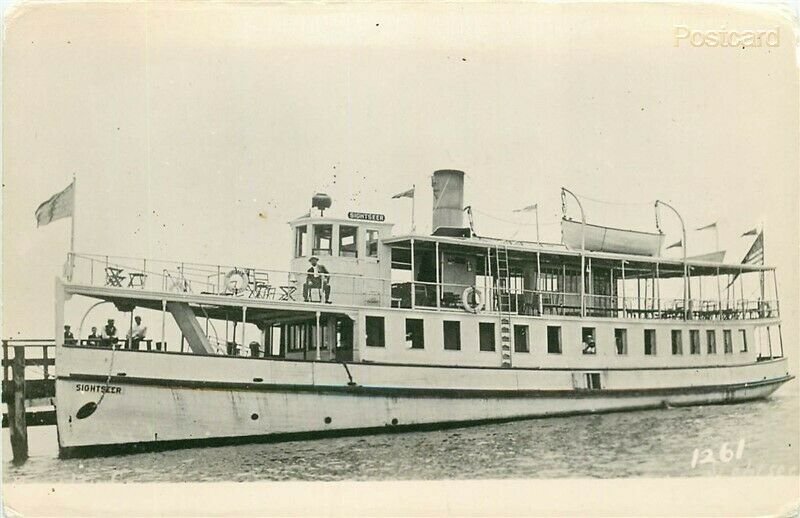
(317,278)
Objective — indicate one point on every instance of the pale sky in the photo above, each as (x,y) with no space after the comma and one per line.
(183,122)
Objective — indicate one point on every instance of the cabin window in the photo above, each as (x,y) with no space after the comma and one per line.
(588,341)
(677,341)
(486,331)
(372,242)
(650,342)
(301,241)
(323,240)
(375,332)
(554,339)
(415,333)
(521,343)
(348,241)
(621,340)
(711,338)
(727,339)
(694,341)
(593,381)
(743,334)
(452,335)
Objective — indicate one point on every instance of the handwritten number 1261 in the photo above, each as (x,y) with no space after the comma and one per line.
(726,454)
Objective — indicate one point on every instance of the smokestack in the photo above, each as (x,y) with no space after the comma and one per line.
(448,199)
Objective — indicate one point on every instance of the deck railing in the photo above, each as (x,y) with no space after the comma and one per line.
(224,280)
(289,286)
(534,303)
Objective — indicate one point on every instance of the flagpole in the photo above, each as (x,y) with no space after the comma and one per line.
(537,224)
(413,203)
(72,231)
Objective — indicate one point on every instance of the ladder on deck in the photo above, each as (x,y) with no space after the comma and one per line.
(503,302)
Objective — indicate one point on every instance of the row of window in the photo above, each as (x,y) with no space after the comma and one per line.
(415,338)
(323,241)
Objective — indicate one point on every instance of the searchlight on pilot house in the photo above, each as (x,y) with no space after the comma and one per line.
(321,201)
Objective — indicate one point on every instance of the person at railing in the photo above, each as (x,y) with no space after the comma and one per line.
(109,337)
(93,340)
(317,279)
(69,339)
(137,333)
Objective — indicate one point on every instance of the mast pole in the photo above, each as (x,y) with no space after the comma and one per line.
(686,287)
(583,250)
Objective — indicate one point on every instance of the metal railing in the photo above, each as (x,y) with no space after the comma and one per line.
(226,280)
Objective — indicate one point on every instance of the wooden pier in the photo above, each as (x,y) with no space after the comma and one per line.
(28,382)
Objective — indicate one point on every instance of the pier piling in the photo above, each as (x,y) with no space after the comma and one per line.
(18,425)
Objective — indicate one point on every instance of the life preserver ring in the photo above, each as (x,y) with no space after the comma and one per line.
(472,299)
(234,281)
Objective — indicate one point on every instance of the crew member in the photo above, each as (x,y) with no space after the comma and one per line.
(137,333)
(69,339)
(317,278)
(109,337)
(93,340)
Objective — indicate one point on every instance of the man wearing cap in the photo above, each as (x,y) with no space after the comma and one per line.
(317,278)
(109,337)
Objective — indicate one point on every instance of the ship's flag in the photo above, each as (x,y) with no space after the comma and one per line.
(59,206)
(756,253)
(709,226)
(752,232)
(405,194)
(677,244)
(529,208)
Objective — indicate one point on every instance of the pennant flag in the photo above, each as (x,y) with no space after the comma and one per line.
(405,194)
(529,208)
(752,232)
(706,227)
(677,244)
(756,253)
(58,206)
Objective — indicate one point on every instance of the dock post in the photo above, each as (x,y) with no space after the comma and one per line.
(18,427)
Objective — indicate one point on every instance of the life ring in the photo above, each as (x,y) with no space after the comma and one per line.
(235,281)
(472,299)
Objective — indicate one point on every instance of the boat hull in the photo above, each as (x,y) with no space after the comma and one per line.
(100,413)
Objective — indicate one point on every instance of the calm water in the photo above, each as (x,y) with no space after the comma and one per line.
(635,444)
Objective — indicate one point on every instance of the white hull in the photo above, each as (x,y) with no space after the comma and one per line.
(221,402)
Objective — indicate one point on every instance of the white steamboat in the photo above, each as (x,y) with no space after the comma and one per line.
(421,331)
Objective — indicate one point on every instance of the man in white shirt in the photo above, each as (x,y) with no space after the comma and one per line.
(137,333)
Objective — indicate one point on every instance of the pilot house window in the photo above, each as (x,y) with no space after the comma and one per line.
(323,236)
(621,340)
(301,241)
(743,334)
(372,242)
(348,241)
